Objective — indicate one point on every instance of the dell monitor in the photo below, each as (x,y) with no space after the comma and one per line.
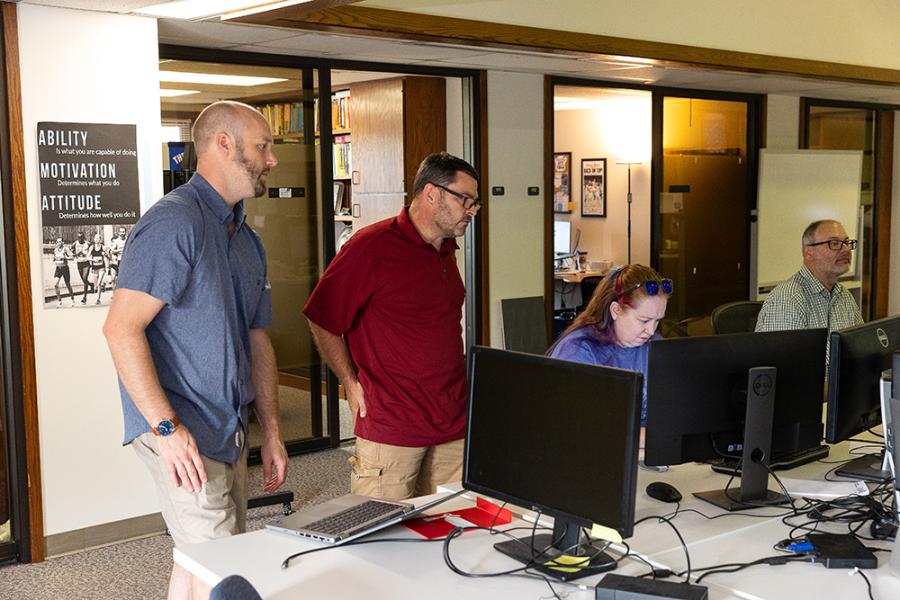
(699,390)
(859,356)
(560,438)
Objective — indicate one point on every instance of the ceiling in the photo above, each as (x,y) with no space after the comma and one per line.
(291,42)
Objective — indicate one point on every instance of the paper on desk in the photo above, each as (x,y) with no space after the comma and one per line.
(599,532)
(824,490)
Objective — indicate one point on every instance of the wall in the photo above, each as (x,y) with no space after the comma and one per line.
(599,133)
(81,66)
(856,31)
(516,222)
(782,122)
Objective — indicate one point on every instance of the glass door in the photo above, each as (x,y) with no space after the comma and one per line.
(288,218)
(852,128)
(702,225)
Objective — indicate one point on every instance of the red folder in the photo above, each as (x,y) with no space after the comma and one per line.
(483,514)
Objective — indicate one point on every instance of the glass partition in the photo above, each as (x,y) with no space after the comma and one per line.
(852,128)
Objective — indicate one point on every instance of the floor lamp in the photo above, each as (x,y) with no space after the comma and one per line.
(629,163)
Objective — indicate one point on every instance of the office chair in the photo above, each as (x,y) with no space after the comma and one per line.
(735,317)
(234,587)
(524,324)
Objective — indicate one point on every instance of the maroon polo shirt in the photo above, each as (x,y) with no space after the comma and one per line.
(398,302)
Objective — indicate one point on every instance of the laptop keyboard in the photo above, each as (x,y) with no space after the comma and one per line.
(352,517)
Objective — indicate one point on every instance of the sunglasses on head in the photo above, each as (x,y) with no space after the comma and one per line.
(651,287)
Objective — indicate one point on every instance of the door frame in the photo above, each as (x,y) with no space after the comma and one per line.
(882,185)
(755,139)
(754,142)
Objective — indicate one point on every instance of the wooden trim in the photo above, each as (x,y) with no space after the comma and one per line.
(884,178)
(23,269)
(484,191)
(549,286)
(429,28)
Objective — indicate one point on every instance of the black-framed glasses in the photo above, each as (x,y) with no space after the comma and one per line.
(837,244)
(468,202)
(652,287)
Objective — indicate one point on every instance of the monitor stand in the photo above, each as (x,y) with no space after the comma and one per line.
(892,438)
(754,490)
(581,559)
(875,467)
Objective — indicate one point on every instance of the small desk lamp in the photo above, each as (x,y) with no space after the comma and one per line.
(629,162)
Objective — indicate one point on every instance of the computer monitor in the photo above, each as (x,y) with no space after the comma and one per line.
(697,399)
(859,355)
(562,237)
(558,437)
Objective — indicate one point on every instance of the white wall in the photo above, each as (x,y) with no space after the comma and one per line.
(80,66)
(856,32)
(515,161)
(598,133)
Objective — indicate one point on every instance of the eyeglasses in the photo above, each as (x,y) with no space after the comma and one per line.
(837,244)
(468,202)
(652,287)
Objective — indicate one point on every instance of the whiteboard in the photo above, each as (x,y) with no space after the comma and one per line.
(797,187)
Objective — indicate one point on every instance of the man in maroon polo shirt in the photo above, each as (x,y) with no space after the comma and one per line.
(387,318)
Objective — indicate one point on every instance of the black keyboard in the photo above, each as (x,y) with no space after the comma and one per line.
(779,463)
(353,517)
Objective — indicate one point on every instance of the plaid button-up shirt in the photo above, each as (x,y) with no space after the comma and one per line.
(802,302)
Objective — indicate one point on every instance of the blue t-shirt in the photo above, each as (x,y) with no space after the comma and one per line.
(587,345)
(215,289)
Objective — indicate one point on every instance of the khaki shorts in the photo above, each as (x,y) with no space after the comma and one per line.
(398,472)
(218,510)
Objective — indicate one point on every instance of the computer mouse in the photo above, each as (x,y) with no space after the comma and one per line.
(664,492)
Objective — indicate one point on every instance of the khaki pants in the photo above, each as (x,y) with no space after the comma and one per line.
(398,472)
(218,510)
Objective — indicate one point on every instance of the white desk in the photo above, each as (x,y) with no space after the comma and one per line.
(417,570)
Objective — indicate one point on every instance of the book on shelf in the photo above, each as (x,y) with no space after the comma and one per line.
(340,112)
(284,118)
(341,155)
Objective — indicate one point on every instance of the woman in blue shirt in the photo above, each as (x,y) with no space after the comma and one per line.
(620,319)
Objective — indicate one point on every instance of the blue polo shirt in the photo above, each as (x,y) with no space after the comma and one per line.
(215,289)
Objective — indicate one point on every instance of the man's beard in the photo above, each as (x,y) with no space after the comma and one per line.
(259,186)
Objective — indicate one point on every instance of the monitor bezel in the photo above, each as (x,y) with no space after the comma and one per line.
(629,457)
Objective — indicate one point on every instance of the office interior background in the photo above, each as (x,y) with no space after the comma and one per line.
(684,95)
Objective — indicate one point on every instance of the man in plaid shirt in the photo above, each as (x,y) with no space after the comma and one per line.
(812,297)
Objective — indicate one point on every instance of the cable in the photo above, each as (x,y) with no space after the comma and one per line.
(687,555)
(284,563)
(735,567)
(856,571)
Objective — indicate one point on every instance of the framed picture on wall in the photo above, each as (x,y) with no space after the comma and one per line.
(593,187)
(562,182)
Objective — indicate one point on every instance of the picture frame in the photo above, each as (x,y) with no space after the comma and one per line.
(562,182)
(593,187)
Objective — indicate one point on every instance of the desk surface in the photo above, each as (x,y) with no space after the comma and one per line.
(416,570)
(576,276)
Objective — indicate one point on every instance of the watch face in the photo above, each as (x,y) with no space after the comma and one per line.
(165,427)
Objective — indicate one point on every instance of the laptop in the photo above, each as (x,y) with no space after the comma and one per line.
(350,516)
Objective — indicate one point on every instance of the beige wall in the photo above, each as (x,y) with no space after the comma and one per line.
(515,161)
(859,33)
(601,132)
